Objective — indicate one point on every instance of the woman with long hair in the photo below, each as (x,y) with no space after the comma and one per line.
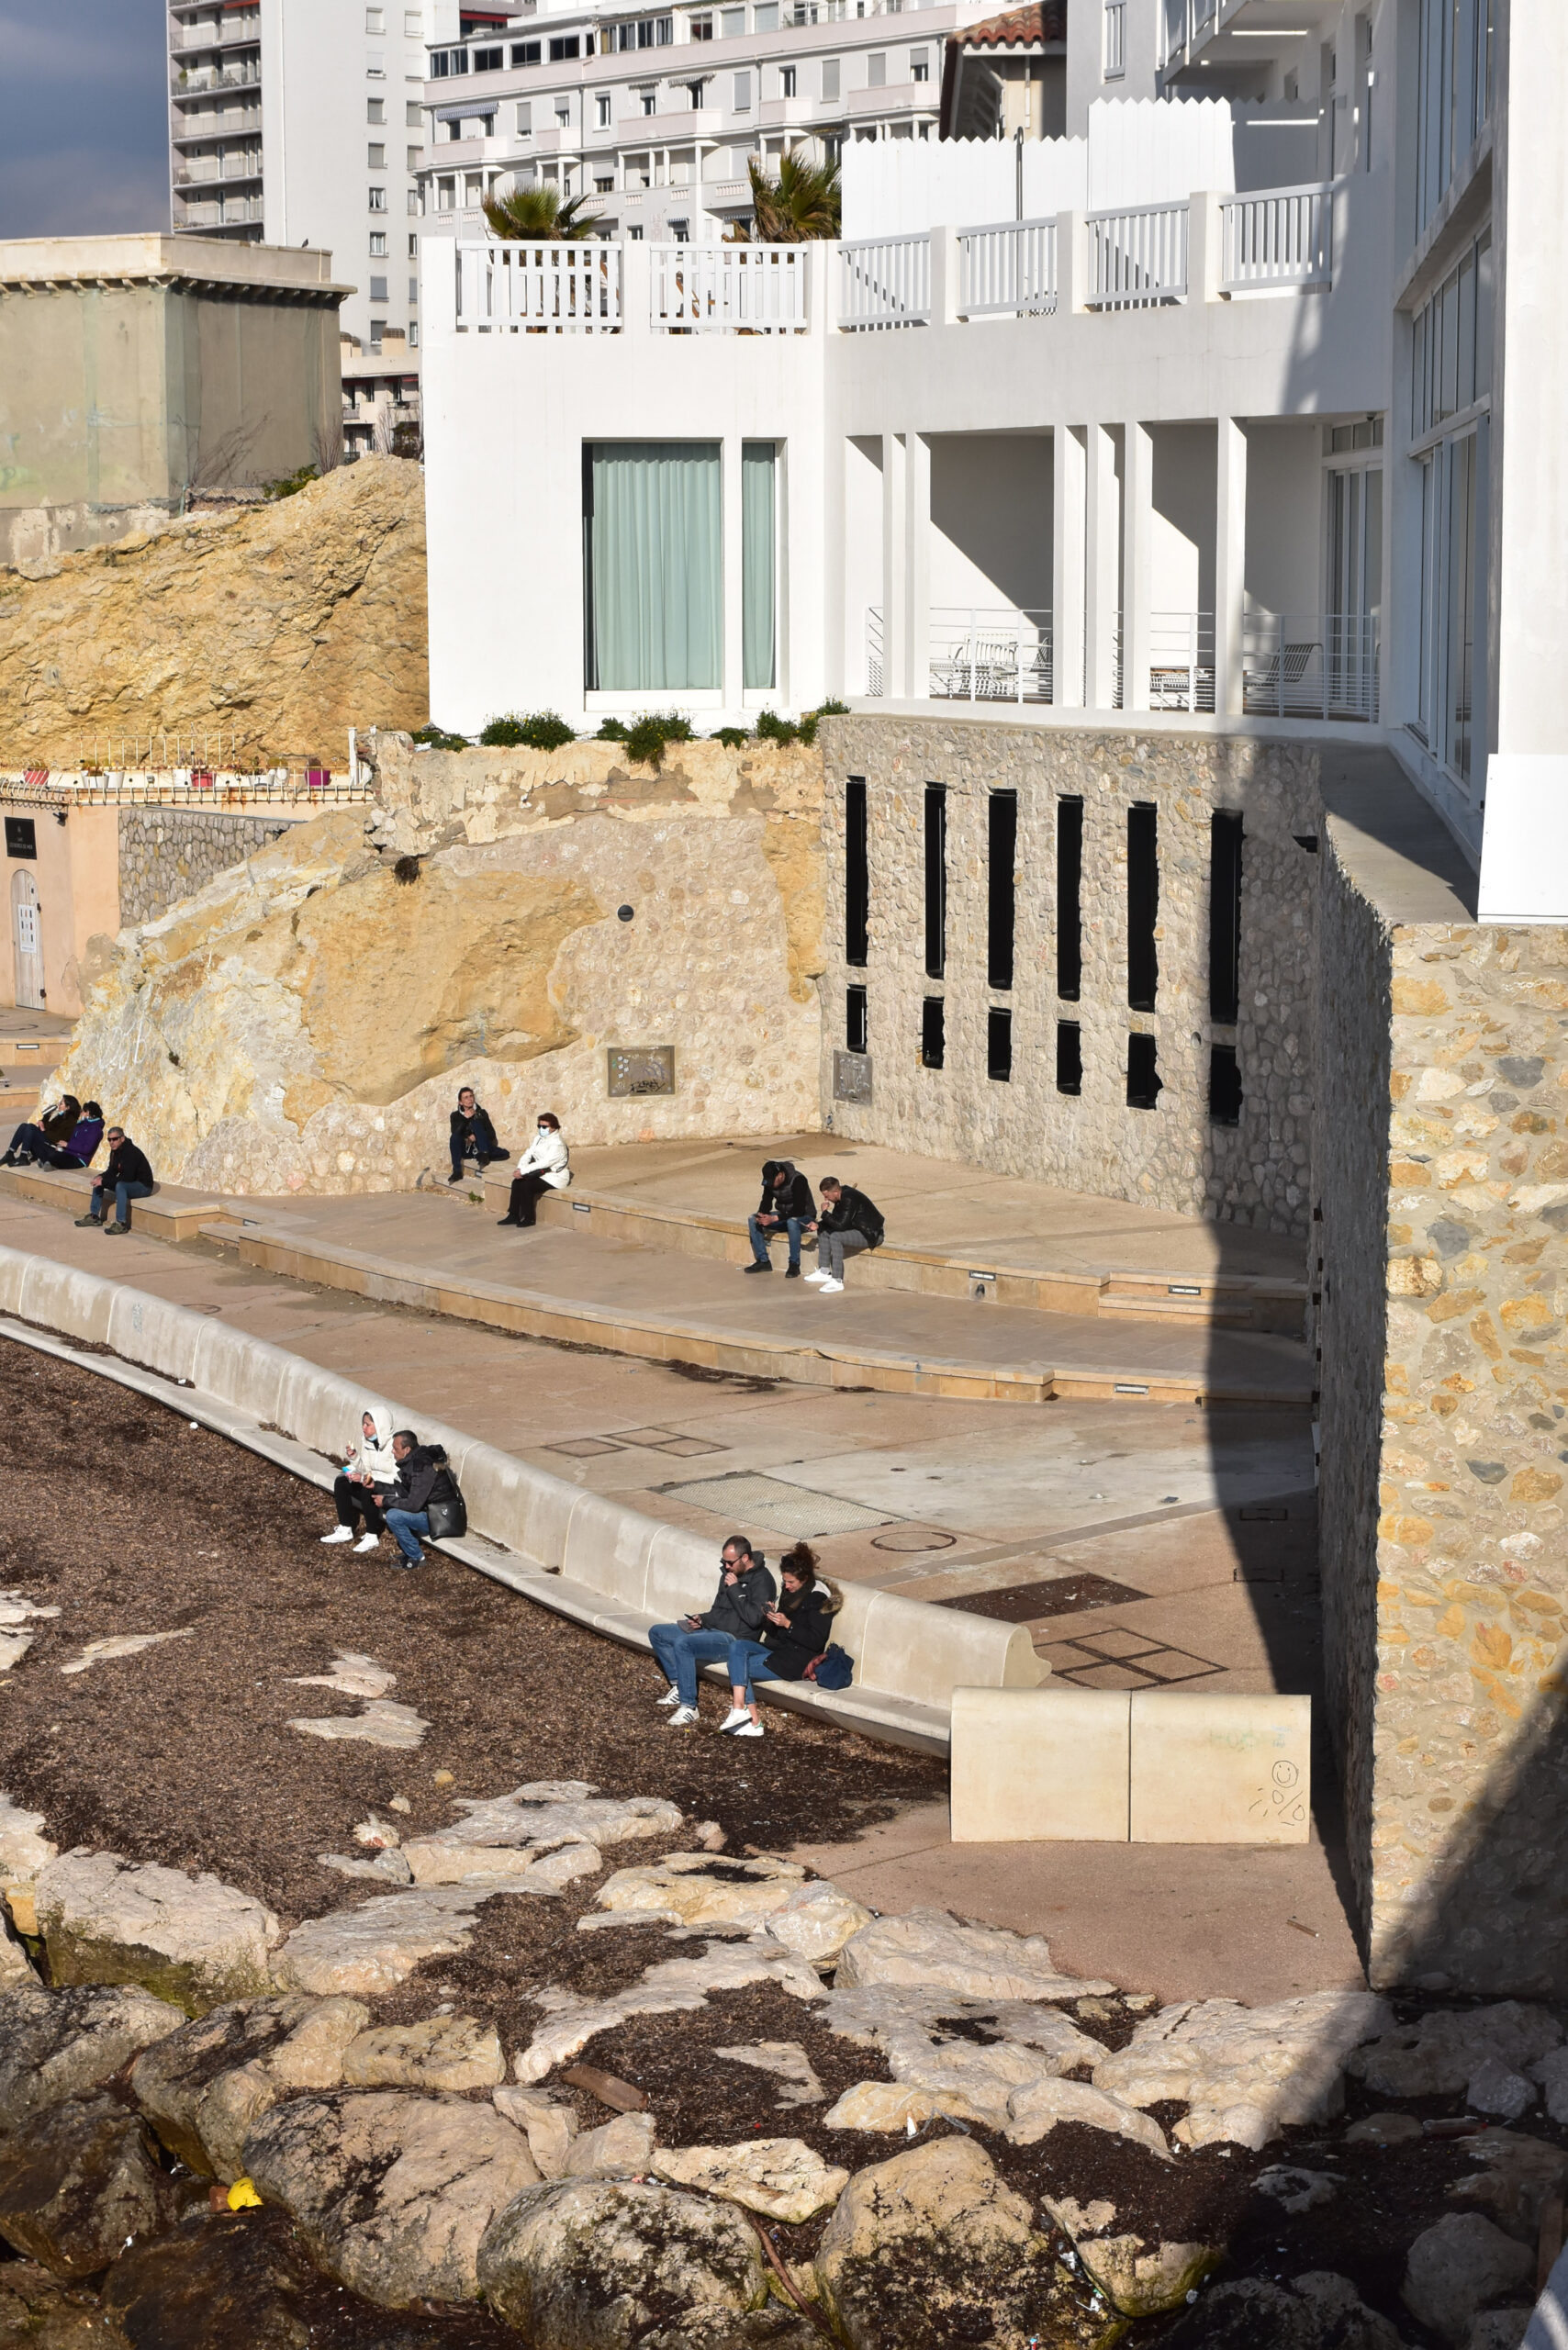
(795,1633)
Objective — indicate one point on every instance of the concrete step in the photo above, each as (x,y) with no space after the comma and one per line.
(172,1213)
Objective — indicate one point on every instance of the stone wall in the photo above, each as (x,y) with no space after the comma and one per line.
(166,854)
(1172,1157)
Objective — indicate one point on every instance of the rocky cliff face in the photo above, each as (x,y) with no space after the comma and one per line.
(281,626)
(305,1021)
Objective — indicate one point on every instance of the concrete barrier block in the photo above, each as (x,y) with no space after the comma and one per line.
(235,1369)
(58,1297)
(321,1409)
(146,1330)
(683,1574)
(551,1503)
(608,1546)
(925,1652)
(849,1624)
(1039,1765)
(1220,1770)
(14,1267)
(497,1489)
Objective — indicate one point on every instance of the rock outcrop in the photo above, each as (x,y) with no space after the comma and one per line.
(280,626)
(190,1939)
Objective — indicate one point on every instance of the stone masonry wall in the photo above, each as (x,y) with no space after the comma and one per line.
(1172,1157)
(167,854)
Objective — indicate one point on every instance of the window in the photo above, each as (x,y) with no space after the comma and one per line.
(856,875)
(413,292)
(830,81)
(561,45)
(375,68)
(1225,1086)
(765,17)
(377,199)
(377,326)
(654,616)
(414,114)
(757,564)
(564,114)
(681,232)
(375,20)
(855,1022)
(1114,53)
(1225,917)
(646,32)
(1070,898)
(933,1033)
(375,109)
(743,93)
(786,81)
(920,65)
(22,840)
(877,70)
(1142,906)
(413,24)
(488,60)
(694,93)
(376,156)
(414,249)
(1143,1084)
(446,61)
(413,334)
(998,1045)
(414,156)
(1453,93)
(377,244)
(1069,1057)
(446,199)
(605,187)
(413,199)
(526,53)
(648,100)
(935,881)
(600,111)
(635,234)
(702,27)
(734,22)
(1451,342)
(378,293)
(1001,846)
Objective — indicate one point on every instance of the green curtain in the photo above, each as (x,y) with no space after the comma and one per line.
(757,571)
(654,565)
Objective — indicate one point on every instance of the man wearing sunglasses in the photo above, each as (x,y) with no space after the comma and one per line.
(746,1593)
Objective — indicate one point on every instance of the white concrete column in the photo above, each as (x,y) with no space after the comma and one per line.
(837,659)
(1138,564)
(916,686)
(636,289)
(895,526)
(1230,562)
(1068,548)
(1102,589)
(734,642)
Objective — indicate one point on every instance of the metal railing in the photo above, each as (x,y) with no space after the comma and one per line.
(875,667)
(226,212)
(1003,654)
(1008,269)
(547,288)
(1312,665)
(1281,236)
(207,171)
(1180,661)
(739,289)
(181,788)
(885,282)
(212,77)
(1137,257)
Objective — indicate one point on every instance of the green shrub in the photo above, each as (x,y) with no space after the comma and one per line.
(542,729)
(647,741)
(823,709)
(613,729)
(292,484)
(772,728)
(436,738)
(734,738)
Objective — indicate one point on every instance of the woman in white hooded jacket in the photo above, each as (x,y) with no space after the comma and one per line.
(544,1167)
(368,1475)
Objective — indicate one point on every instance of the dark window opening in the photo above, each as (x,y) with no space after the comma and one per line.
(1001,844)
(933,1032)
(563,45)
(855,1019)
(1069,900)
(525,52)
(1144,1085)
(1142,906)
(1225,1086)
(21,836)
(998,1045)
(856,875)
(936,883)
(1224,920)
(1069,1057)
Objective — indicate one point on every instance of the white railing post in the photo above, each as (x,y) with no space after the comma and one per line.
(1072,262)
(1206,247)
(943,277)
(636,290)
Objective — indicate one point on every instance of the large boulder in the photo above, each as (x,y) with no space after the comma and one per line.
(80,2182)
(444,2053)
(1244,2073)
(1441,2055)
(205,2086)
(1458,2268)
(704,1889)
(55,2045)
(25,1850)
(781,2178)
(1316,2311)
(237,2279)
(931,2248)
(929,1947)
(1513,2177)
(190,1939)
(362,1952)
(391,2192)
(39,2312)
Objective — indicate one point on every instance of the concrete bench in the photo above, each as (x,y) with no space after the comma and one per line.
(173,1212)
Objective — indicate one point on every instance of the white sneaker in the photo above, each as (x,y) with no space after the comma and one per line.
(734,1718)
(367,1542)
(829,1288)
(683,1717)
(822,1274)
(748,1729)
(670,1697)
(339,1534)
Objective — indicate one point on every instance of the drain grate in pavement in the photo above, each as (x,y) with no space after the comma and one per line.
(1119,1659)
(1019,1603)
(781,1508)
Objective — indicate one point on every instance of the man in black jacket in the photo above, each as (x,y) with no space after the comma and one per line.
(422,1478)
(850,1221)
(472,1135)
(746,1594)
(127,1177)
(786,1205)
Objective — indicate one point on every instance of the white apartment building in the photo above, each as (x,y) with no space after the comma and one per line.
(1249,457)
(299,122)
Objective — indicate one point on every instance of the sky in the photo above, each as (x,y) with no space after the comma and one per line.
(84,116)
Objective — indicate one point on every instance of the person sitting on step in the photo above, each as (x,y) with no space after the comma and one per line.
(849,1223)
(368,1476)
(544,1167)
(32,1145)
(422,1478)
(795,1633)
(746,1593)
(472,1135)
(787,1207)
(54,1125)
(125,1177)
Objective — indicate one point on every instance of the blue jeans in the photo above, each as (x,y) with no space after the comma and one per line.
(680,1652)
(761,1234)
(748,1662)
(405,1526)
(124,1194)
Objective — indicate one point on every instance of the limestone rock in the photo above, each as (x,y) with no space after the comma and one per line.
(619,2149)
(668,1989)
(381,1723)
(353,1675)
(909,2022)
(391,2192)
(118,1644)
(893,2105)
(55,2045)
(928,1947)
(548,2127)
(78,2181)
(1294,2189)
(1515,2175)
(367,1951)
(1455,2269)
(388,1867)
(1317,2312)
(703,1889)
(931,2248)
(788,2063)
(1498,2329)
(816,1922)
(1552,2072)
(237,2278)
(1437,2056)
(1244,2072)
(445,2053)
(434,1860)
(617,2263)
(205,2086)
(1384,2130)
(24,1852)
(1036,2109)
(38,2312)
(193,1940)
(560,1811)
(16,1969)
(1496,2088)
(1142,2280)
(780,2177)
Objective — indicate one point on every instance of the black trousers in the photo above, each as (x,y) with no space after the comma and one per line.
(526,1190)
(464,1147)
(355,1502)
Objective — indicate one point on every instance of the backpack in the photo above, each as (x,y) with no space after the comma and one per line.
(831,1670)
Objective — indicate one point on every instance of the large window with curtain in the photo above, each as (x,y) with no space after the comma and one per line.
(652,544)
(758,564)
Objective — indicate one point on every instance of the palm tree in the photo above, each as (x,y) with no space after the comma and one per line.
(537,215)
(801,204)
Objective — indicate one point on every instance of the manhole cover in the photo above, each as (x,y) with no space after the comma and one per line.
(913,1539)
(781,1508)
(1020,1603)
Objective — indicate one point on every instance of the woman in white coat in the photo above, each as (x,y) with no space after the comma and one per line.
(544,1167)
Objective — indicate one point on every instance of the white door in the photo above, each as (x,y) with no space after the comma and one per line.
(27,931)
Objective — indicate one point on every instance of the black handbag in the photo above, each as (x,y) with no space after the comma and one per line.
(449,1519)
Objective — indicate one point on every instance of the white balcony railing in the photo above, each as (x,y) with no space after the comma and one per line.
(205,170)
(1008,270)
(1181,661)
(979,655)
(735,289)
(1283,236)
(1312,665)
(885,282)
(210,77)
(556,288)
(1138,258)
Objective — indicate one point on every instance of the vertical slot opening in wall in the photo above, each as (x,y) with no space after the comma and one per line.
(856,875)
(1225,918)
(998,1045)
(1001,844)
(1142,906)
(1225,1086)
(1069,1057)
(1143,1084)
(1069,900)
(933,1032)
(855,1019)
(935,884)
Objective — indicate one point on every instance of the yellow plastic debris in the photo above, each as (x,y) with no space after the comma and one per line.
(242,2196)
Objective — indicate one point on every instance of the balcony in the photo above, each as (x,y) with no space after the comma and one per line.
(203,171)
(1242,34)
(1310,665)
(213,122)
(229,212)
(202,78)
